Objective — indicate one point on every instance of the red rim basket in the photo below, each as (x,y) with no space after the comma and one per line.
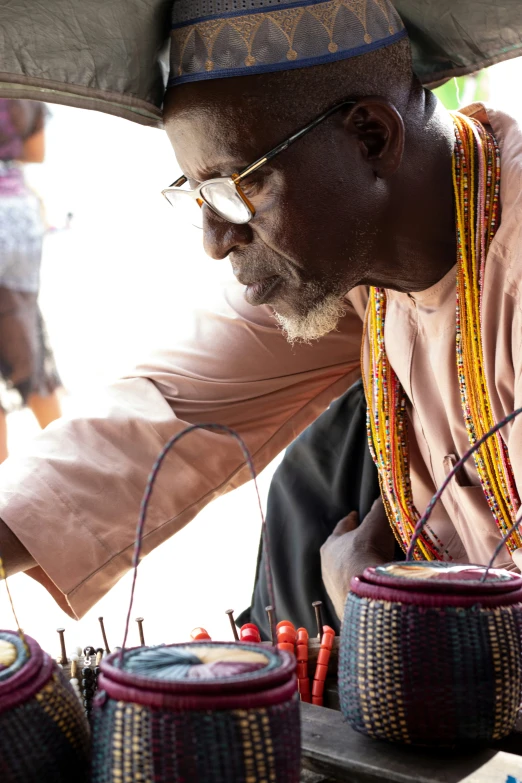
(431,653)
(224,730)
(44,734)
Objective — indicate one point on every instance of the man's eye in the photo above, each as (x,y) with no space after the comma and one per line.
(250,187)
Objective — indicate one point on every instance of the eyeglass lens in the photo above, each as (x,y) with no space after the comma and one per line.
(226,201)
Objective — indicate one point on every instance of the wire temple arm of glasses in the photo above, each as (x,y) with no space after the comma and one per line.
(178,182)
(285,144)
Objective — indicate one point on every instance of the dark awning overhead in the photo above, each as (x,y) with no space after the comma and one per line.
(111,55)
(456,37)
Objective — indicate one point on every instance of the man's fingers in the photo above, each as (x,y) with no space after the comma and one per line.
(347,524)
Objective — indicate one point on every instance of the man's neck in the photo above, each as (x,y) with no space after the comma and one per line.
(422,222)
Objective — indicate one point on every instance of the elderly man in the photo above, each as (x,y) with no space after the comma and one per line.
(353,209)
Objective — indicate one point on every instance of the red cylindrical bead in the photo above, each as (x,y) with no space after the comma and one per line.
(286,635)
(199,634)
(253,626)
(320,672)
(323,657)
(251,638)
(317,688)
(302,670)
(302,636)
(285,646)
(327,641)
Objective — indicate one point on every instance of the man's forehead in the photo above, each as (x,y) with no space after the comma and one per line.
(220,129)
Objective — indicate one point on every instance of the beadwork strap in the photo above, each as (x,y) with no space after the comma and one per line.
(476,179)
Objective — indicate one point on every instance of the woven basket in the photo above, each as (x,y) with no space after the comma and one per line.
(430,654)
(44,735)
(242,728)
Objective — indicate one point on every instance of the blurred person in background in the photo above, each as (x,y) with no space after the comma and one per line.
(28,374)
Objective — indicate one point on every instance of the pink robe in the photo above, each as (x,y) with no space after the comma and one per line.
(74,500)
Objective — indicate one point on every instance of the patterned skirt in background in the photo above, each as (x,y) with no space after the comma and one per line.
(26,360)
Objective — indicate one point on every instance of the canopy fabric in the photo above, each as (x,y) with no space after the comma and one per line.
(112,55)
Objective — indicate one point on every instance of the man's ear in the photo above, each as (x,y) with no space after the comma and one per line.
(379,130)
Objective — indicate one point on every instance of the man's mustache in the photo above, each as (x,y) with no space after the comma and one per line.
(250,267)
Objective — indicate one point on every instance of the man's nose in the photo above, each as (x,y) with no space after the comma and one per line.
(221,237)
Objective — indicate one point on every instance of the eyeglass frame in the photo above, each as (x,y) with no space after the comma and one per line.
(235,179)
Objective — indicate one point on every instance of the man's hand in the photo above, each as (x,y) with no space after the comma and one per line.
(351,549)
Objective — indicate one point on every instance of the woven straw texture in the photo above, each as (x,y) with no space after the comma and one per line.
(212,729)
(44,735)
(135,743)
(430,675)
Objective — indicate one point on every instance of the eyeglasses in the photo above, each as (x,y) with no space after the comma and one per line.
(223,195)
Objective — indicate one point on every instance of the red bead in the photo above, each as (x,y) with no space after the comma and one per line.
(320,672)
(301,652)
(284,622)
(286,634)
(306,698)
(250,639)
(302,636)
(327,641)
(304,685)
(317,688)
(286,647)
(249,633)
(302,670)
(198,634)
(317,700)
(324,657)
(327,629)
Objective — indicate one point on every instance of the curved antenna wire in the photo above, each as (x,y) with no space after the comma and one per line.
(145,504)
(425,517)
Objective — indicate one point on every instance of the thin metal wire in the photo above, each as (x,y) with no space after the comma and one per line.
(425,517)
(502,542)
(145,504)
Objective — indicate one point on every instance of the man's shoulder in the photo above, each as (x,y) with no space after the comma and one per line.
(506,248)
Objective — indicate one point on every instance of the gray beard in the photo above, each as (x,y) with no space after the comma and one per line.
(320,320)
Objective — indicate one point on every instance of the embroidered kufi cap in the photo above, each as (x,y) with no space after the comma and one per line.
(212,39)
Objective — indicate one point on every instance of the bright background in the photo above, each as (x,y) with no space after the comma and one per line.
(125,278)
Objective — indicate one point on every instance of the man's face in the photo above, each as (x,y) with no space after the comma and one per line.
(317,204)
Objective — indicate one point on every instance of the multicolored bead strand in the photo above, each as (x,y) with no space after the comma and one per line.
(476,177)
(476,180)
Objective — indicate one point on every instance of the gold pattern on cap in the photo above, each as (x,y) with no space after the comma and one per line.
(383,5)
(286,20)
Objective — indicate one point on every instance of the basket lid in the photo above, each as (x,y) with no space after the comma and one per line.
(208,674)
(435,576)
(24,669)
(439,584)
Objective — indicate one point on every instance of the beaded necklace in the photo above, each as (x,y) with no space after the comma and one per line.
(476,182)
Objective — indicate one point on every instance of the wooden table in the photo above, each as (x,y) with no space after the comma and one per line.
(332,751)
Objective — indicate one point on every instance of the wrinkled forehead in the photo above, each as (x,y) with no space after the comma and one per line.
(211,123)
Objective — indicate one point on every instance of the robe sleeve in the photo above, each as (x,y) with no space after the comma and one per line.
(73,500)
